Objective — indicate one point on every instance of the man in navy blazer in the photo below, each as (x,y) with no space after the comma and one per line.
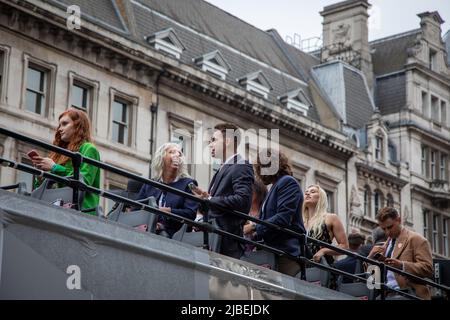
(230,188)
(281,207)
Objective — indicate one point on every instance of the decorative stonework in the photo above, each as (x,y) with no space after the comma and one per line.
(416,49)
(355,203)
(342,35)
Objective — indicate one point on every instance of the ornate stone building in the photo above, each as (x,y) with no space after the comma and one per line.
(368,121)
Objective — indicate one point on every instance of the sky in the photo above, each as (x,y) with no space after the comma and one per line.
(301,17)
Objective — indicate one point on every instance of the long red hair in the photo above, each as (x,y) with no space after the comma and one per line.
(82,134)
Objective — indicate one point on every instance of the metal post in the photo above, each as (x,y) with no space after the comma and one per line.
(204,209)
(383,281)
(76,163)
(303,254)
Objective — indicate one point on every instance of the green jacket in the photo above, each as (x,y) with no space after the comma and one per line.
(90,173)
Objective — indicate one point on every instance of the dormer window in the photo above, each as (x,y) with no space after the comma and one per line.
(296,101)
(214,64)
(167,41)
(379,146)
(432,60)
(257,84)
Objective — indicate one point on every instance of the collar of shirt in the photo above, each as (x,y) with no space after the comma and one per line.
(229,159)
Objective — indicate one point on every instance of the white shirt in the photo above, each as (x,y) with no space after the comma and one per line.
(390,277)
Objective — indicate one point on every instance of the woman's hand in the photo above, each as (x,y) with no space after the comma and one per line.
(319,254)
(44,164)
(166,209)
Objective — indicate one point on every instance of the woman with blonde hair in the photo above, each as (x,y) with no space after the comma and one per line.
(168,167)
(322,225)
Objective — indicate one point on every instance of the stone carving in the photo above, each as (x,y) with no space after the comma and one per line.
(406,215)
(355,203)
(416,49)
(342,35)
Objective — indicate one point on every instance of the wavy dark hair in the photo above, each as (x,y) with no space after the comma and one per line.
(276,158)
(82,134)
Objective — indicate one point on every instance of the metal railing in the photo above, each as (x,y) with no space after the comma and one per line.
(205,226)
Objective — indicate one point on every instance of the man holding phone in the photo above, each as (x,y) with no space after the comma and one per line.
(405,250)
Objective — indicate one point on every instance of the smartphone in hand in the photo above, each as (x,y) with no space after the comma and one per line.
(33,154)
(378,256)
(192,187)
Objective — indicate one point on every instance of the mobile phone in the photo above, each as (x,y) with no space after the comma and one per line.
(32,154)
(192,186)
(378,256)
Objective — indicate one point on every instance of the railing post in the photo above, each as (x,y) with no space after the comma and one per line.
(383,281)
(303,240)
(204,209)
(76,163)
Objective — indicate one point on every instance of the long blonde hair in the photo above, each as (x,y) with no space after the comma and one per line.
(320,212)
(158,161)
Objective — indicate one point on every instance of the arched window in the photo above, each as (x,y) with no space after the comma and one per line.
(378,201)
(389,200)
(379,146)
(367,195)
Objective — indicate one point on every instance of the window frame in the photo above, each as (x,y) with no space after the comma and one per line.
(50,71)
(445,238)
(424,161)
(185,128)
(367,201)
(435,108)
(443,166)
(93,87)
(443,110)
(132,103)
(433,154)
(379,146)
(380,200)
(432,59)
(425,104)
(6,53)
(426,223)
(435,233)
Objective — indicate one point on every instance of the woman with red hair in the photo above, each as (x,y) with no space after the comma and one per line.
(74,134)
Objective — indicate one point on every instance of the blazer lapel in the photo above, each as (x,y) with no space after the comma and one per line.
(263,210)
(213,180)
(219,177)
(401,243)
(220,174)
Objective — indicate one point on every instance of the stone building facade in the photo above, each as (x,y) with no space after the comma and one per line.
(368,121)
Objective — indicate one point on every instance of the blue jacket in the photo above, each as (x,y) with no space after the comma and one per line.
(282,207)
(179,205)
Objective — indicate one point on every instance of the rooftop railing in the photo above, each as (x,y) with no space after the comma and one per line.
(77,186)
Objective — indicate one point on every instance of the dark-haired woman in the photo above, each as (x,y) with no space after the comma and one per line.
(282,206)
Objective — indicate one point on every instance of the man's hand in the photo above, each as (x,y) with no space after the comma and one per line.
(394,263)
(44,164)
(248,228)
(378,249)
(198,192)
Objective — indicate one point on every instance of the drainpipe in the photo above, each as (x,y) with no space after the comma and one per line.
(346,196)
(154,117)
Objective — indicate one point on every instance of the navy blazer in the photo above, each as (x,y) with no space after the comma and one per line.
(282,206)
(179,205)
(231,188)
